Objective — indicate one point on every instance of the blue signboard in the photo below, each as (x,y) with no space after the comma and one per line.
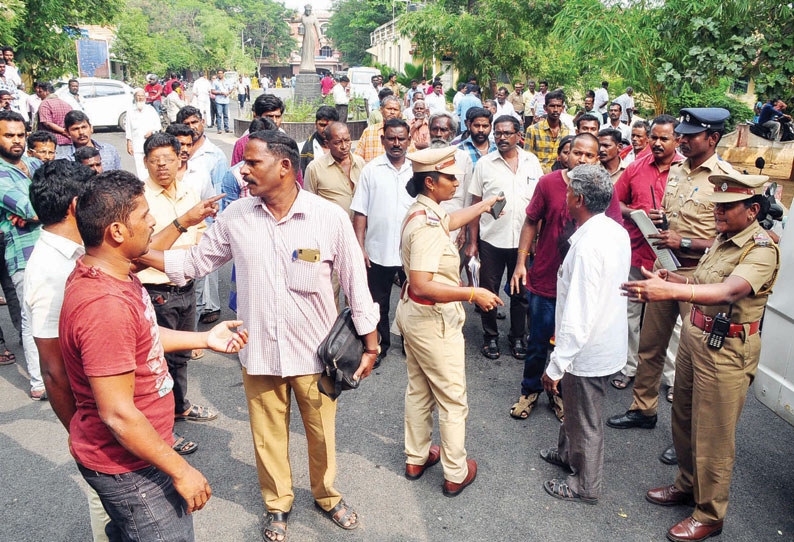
(93,59)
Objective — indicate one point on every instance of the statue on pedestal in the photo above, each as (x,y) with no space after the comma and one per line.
(310,25)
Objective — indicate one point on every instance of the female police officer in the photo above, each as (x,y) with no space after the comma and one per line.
(719,350)
(430,319)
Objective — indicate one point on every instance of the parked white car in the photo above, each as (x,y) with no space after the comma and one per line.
(106,100)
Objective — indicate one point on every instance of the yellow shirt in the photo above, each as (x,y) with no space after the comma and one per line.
(686,201)
(326,178)
(165,206)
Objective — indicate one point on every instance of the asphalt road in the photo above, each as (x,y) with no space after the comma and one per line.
(42,491)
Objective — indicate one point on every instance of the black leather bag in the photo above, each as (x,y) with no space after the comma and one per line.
(341,353)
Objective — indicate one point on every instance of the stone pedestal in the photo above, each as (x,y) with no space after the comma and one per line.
(307,87)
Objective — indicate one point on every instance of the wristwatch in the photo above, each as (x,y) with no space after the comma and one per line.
(686,243)
(179,226)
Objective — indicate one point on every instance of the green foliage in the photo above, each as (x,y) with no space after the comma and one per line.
(713,96)
(351,24)
(296,111)
(43,31)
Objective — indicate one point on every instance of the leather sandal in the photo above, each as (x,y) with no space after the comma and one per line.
(523,407)
(621,382)
(556,405)
(182,446)
(349,515)
(271,518)
(552,455)
(197,414)
(560,490)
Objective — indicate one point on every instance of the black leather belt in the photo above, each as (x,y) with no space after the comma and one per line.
(169,288)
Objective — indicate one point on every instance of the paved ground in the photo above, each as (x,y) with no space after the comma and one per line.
(42,492)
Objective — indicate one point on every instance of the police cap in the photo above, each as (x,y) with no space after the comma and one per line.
(694,120)
(730,187)
(441,160)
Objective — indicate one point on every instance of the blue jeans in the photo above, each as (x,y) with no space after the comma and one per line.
(223,116)
(541,329)
(143,505)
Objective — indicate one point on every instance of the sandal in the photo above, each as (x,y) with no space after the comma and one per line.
(349,516)
(210,317)
(621,382)
(197,414)
(560,490)
(6,356)
(670,394)
(556,406)
(523,408)
(272,521)
(198,353)
(182,446)
(552,455)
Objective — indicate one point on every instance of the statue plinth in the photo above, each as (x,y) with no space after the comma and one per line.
(307,87)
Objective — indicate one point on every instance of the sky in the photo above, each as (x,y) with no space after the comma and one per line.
(296,4)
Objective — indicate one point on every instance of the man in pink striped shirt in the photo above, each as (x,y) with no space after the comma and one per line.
(285,243)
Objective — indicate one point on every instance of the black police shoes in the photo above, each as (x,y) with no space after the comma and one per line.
(632,419)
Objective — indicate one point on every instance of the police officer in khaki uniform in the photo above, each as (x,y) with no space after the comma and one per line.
(719,349)
(430,319)
(689,212)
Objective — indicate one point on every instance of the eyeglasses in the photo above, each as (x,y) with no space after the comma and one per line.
(500,135)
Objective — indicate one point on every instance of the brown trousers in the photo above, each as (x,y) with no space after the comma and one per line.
(269,412)
(710,390)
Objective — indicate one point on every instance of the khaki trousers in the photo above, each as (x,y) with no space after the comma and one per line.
(269,412)
(657,328)
(435,359)
(710,390)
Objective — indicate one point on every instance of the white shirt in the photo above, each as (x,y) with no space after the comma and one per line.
(436,103)
(567,120)
(601,101)
(623,128)
(33,105)
(461,198)
(198,178)
(539,103)
(458,96)
(591,324)
(381,197)
(505,109)
(12,74)
(201,89)
(340,95)
(139,123)
(75,101)
(50,264)
(491,176)
(626,102)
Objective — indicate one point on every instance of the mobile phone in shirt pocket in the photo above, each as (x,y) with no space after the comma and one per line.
(303,276)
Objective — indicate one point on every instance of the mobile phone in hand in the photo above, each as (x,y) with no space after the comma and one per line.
(497,207)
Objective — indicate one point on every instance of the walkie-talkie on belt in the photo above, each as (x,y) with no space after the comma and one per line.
(720,327)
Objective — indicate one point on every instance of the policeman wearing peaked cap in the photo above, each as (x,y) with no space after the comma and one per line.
(694,120)
(430,319)
(720,346)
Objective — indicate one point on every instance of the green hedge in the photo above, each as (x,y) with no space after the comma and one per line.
(713,97)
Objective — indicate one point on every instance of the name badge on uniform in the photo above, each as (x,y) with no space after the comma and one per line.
(761,239)
(433,220)
(306,255)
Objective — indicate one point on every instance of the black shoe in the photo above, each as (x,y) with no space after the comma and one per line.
(518,348)
(632,419)
(491,349)
(377,361)
(669,457)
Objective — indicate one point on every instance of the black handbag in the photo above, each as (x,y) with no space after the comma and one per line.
(340,353)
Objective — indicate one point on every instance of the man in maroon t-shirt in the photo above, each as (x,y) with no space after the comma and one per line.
(548,205)
(642,186)
(121,434)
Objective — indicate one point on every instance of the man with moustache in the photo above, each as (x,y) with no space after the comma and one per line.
(370,145)
(20,226)
(90,158)
(543,137)
(609,153)
(516,173)
(175,306)
(286,300)
(188,173)
(335,176)
(207,156)
(80,131)
(587,124)
(614,112)
(639,147)
(642,186)
(479,142)
(548,206)
(379,206)
(690,232)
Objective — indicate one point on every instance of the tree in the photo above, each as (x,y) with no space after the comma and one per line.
(264,23)
(352,23)
(43,32)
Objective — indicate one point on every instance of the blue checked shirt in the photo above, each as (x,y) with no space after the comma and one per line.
(14,200)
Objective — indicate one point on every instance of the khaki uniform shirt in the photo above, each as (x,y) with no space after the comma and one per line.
(757,268)
(618,172)
(517,101)
(427,247)
(326,178)
(686,201)
(165,207)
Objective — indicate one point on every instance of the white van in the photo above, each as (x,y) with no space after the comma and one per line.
(774,381)
(361,81)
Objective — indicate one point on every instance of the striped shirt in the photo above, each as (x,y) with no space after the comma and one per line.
(14,189)
(287,303)
(540,141)
(107,154)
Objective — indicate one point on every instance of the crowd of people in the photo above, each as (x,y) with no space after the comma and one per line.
(452,203)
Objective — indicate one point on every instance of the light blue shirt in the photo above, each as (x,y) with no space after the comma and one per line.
(222,87)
